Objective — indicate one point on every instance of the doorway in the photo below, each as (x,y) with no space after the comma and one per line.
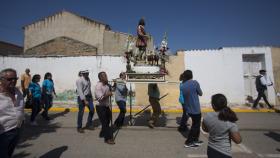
(252,63)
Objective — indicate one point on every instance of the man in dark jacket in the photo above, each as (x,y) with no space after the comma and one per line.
(154,94)
(261,86)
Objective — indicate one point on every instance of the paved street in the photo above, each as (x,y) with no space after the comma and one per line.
(59,138)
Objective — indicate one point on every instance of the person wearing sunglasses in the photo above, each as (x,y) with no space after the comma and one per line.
(11,112)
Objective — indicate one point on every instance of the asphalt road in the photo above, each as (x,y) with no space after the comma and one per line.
(59,138)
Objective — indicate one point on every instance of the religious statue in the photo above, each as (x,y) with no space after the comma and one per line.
(162,54)
(141,42)
(163,45)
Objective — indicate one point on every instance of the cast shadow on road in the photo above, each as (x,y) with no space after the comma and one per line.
(55,115)
(183,133)
(55,153)
(275,136)
(143,118)
(33,132)
(96,123)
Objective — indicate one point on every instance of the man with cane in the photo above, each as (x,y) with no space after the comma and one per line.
(154,94)
(102,95)
(261,86)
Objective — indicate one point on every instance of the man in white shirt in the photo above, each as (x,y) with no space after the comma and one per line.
(84,99)
(11,112)
(261,86)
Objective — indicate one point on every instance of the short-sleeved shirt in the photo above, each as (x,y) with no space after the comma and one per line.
(49,86)
(191,90)
(219,132)
(35,90)
(121,91)
(26,80)
(153,90)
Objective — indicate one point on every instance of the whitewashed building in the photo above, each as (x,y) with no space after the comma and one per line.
(231,71)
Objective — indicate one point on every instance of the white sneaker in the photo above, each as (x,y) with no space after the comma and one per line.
(33,123)
(190,145)
(199,142)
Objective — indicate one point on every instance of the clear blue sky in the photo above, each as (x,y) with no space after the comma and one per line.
(190,24)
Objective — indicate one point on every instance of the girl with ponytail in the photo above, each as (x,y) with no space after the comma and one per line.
(222,128)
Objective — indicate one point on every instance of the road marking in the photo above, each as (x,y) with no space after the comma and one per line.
(247,150)
(196,155)
(272,155)
(269,155)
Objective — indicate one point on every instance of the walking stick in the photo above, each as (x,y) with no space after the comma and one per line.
(149,105)
(276,93)
(118,129)
(117,132)
(111,108)
(130,105)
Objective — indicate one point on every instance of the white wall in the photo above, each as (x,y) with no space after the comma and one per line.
(221,71)
(217,71)
(65,69)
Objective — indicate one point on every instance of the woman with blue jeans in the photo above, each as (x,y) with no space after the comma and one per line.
(35,90)
(48,91)
(120,97)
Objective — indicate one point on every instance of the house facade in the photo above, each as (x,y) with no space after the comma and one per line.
(233,70)
(230,71)
(71,35)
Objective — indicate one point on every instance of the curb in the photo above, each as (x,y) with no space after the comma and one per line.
(115,110)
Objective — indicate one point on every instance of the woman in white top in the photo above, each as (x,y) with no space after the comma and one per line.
(221,127)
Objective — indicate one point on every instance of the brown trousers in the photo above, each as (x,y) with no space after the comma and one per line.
(156,110)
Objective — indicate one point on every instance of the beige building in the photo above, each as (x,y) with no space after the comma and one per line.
(10,49)
(66,33)
(275,53)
